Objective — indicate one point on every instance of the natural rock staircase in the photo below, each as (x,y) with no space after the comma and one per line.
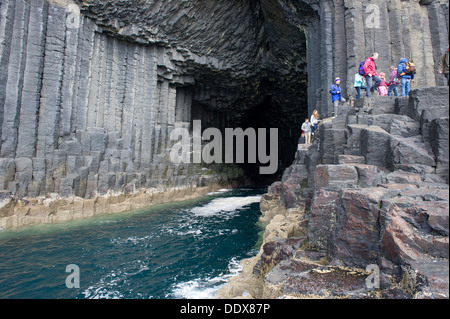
(372,189)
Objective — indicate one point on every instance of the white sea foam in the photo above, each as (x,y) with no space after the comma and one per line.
(205,288)
(133,240)
(105,288)
(220,191)
(228,204)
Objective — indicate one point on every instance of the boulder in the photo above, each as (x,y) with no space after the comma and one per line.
(410,151)
(375,145)
(420,169)
(404,128)
(322,218)
(355,241)
(276,251)
(407,236)
(426,104)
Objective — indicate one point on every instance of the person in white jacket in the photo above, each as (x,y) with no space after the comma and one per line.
(315,120)
(306,127)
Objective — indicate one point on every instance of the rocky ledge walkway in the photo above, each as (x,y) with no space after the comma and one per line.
(363,212)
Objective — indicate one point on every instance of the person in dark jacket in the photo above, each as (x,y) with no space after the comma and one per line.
(405,79)
(336,95)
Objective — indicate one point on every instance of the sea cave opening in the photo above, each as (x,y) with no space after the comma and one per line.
(273,108)
(270,90)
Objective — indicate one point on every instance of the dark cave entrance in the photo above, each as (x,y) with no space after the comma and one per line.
(263,116)
(268,115)
(273,93)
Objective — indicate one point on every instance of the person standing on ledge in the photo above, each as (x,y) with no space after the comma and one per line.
(406,74)
(306,127)
(336,95)
(372,77)
(315,120)
(393,82)
(443,65)
(360,84)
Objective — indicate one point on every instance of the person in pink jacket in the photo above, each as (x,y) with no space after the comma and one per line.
(383,87)
(372,78)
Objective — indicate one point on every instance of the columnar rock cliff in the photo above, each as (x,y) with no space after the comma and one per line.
(87,102)
(363,212)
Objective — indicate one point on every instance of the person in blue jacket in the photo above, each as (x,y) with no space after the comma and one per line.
(336,95)
(405,79)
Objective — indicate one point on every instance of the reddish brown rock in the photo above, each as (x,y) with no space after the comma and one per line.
(322,220)
(336,176)
(276,251)
(408,237)
(357,233)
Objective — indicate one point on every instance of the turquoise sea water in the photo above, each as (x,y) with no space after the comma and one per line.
(184,250)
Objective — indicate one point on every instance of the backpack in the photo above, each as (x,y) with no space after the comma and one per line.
(410,68)
(361,68)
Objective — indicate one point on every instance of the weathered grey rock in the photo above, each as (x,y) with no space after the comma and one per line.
(405,127)
(410,151)
(433,277)
(8,169)
(439,132)
(353,138)
(415,168)
(375,146)
(332,144)
(426,104)
(24,174)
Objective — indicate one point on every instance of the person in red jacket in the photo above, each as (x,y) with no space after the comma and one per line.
(372,78)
